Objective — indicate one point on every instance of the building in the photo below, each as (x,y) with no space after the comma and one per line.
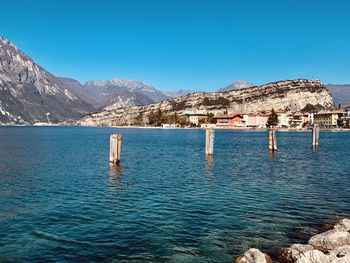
(345,119)
(256,120)
(230,120)
(298,120)
(283,119)
(328,118)
(259,120)
(195,117)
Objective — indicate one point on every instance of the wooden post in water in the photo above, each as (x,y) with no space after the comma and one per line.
(272,140)
(315,135)
(115,145)
(209,141)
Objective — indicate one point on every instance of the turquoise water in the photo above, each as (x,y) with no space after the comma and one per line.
(61,201)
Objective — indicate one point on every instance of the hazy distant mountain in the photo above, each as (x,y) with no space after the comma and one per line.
(340,93)
(28,93)
(115,93)
(177,93)
(237,84)
(77,88)
(130,85)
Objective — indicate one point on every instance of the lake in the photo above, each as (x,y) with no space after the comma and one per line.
(60,200)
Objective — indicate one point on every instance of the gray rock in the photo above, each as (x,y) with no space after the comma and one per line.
(343,224)
(315,256)
(340,255)
(254,255)
(343,251)
(330,240)
(294,252)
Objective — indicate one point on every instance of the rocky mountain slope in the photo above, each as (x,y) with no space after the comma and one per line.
(28,93)
(115,93)
(340,93)
(291,95)
(177,93)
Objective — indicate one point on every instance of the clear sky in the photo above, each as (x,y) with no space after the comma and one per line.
(184,44)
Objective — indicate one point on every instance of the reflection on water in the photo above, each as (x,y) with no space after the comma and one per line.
(209,165)
(272,155)
(315,148)
(115,175)
(60,200)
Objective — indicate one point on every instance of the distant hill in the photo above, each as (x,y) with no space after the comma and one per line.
(340,93)
(237,84)
(290,95)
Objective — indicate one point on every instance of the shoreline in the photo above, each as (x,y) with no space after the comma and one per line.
(332,245)
(181,128)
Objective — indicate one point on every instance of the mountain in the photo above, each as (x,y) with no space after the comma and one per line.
(115,93)
(340,93)
(177,93)
(237,84)
(290,95)
(29,93)
(78,89)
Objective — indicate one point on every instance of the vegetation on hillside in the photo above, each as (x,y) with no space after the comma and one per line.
(158,118)
(220,101)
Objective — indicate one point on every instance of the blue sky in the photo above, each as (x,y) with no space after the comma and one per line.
(199,45)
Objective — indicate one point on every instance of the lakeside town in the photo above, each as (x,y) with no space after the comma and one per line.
(335,118)
(175,131)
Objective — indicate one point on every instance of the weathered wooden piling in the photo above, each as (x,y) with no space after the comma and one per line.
(272,140)
(115,145)
(209,141)
(315,135)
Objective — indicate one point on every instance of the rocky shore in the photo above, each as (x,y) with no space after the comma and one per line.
(332,246)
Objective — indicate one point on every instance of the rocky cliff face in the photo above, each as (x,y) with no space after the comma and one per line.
(28,93)
(290,95)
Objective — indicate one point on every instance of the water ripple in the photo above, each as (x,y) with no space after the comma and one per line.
(60,200)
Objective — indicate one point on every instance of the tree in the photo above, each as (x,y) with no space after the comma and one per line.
(152,118)
(211,118)
(272,121)
(174,118)
(139,119)
(159,117)
(165,118)
(183,121)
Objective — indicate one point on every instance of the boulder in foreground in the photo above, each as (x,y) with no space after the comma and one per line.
(330,240)
(254,255)
(294,252)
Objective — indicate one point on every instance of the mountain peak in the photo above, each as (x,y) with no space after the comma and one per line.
(116,82)
(120,92)
(5,41)
(237,84)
